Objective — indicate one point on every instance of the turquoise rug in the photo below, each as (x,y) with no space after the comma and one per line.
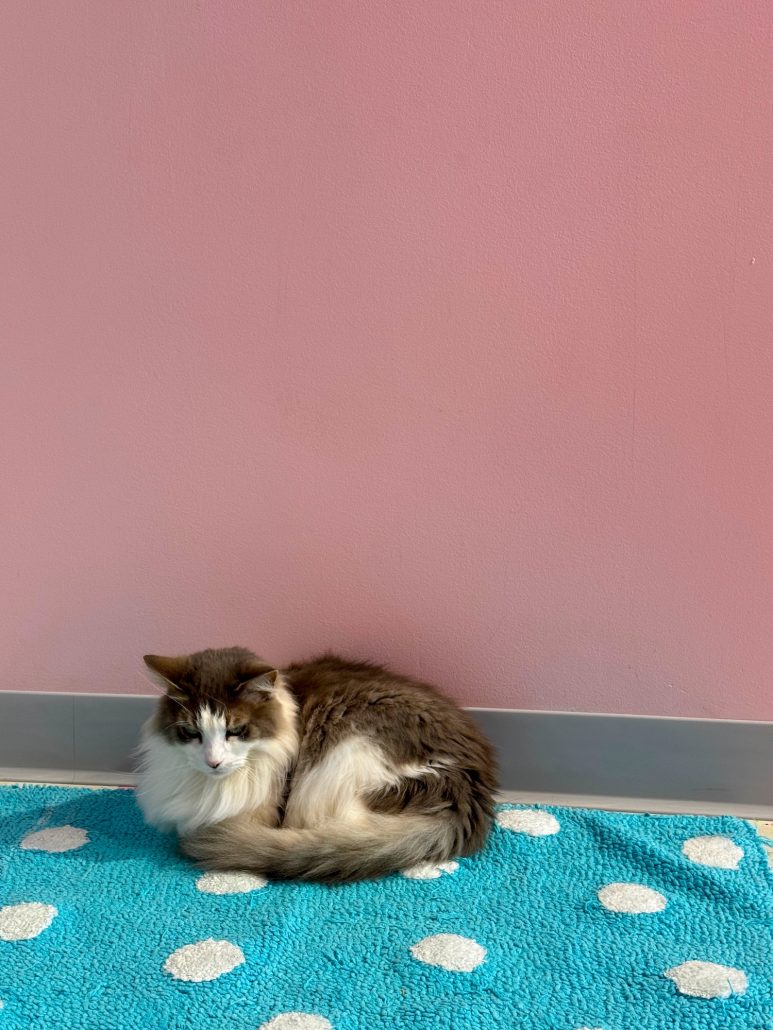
(570,919)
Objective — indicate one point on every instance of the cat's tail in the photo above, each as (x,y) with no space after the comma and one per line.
(332,853)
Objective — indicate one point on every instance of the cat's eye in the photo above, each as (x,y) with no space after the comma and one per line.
(237,731)
(186,733)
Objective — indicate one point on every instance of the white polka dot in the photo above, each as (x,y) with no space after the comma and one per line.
(429,871)
(297,1021)
(25,921)
(205,960)
(719,852)
(230,883)
(532,821)
(631,897)
(449,951)
(56,839)
(708,980)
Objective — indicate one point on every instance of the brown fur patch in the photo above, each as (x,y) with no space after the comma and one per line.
(222,680)
(416,725)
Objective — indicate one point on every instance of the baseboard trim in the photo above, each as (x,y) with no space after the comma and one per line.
(65,778)
(634,763)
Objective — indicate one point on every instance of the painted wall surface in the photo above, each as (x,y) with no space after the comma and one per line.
(438,332)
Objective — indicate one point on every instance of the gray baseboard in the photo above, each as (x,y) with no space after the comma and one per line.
(634,762)
(612,760)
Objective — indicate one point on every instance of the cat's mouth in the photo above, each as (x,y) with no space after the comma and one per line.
(221,772)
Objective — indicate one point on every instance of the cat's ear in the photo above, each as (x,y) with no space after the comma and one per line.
(261,682)
(166,672)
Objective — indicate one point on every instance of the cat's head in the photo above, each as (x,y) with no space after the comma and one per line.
(217,706)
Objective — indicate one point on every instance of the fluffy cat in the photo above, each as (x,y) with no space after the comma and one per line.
(327,770)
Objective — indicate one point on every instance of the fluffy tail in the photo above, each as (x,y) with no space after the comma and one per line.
(335,853)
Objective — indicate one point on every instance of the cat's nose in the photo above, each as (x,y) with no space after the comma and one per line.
(212,764)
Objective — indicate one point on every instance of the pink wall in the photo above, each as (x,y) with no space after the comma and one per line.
(439,332)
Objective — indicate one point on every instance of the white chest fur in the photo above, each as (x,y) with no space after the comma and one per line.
(175,796)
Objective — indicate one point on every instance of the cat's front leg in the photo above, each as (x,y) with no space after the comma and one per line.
(268,814)
(205,841)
